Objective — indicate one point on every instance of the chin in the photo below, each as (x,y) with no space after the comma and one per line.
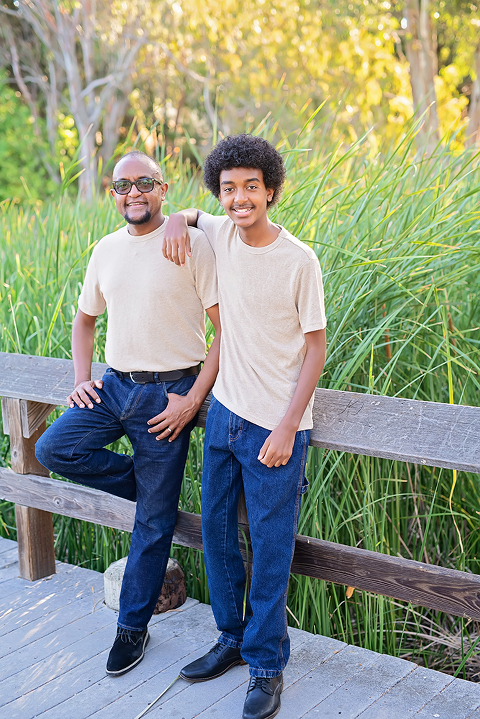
(138,220)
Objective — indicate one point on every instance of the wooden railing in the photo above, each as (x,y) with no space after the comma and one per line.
(428,433)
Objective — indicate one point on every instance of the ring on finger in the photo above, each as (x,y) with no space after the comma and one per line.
(170,430)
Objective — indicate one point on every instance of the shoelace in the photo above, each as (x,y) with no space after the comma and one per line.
(263,682)
(217,648)
(125,635)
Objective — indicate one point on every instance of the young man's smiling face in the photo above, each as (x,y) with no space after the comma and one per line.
(243,195)
(140,209)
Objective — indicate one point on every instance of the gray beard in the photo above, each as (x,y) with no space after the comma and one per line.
(139,220)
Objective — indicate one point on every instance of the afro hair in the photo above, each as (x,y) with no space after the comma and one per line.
(245,151)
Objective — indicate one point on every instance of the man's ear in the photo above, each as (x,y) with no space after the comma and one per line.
(270,194)
(164,189)
(112,192)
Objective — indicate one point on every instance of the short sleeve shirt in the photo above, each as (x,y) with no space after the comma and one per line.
(269,298)
(156,310)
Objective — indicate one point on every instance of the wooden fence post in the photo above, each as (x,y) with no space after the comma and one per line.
(36,551)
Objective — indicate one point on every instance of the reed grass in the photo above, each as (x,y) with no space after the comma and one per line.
(398,240)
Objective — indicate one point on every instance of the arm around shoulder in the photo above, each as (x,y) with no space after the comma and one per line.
(177,239)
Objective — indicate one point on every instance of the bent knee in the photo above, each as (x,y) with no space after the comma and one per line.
(49,451)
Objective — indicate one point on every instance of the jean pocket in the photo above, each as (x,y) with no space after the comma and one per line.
(181,386)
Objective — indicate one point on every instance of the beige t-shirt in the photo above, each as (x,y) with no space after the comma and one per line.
(156,310)
(269,297)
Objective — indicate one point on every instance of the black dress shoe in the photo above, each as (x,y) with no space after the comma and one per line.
(216,662)
(127,651)
(263,697)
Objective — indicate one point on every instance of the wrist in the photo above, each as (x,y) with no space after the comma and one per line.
(196,399)
(178,217)
(289,424)
(82,378)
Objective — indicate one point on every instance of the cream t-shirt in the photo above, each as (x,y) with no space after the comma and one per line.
(269,297)
(156,310)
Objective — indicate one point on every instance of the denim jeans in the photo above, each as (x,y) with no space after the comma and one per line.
(273,500)
(74,446)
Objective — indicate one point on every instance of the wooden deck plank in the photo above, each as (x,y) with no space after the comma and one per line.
(457,701)
(364,688)
(231,705)
(26,680)
(6,545)
(43,626)
(202,626)
(53,595)
(84,689)
(33,620)
(42,649)
(307,650)
(8,557)
(89,595)
(323,679)
(406,698)
(62,672)
(8,573)
(81,639)
(17,591)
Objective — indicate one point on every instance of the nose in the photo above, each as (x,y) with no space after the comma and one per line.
(240,195)
(134,192)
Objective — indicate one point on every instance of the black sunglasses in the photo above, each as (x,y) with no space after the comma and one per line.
(144,184)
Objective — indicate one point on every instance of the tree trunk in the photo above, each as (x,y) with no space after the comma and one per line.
(87,182)
(421,54)
(473,129)
(111,122)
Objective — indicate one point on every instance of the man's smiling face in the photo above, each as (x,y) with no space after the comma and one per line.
(138,208)
(243,195)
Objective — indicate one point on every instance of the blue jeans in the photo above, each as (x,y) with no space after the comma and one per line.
(273,501)
(74,446)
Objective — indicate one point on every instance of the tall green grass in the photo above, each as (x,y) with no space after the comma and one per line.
(398,240)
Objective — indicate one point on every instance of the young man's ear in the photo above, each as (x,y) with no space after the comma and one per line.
(270,194)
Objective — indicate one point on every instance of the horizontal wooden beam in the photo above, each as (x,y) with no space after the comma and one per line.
(446,590)
(68,499)
(425,433)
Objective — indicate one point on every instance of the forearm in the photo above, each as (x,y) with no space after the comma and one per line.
(83,337)
(207,376)
(308,378)
(191,216)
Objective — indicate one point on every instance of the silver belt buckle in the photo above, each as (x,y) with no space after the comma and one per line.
(130,375)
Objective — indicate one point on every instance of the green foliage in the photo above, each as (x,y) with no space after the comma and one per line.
(398,241)
(20,150)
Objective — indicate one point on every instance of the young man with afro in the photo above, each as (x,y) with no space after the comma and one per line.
(272,352)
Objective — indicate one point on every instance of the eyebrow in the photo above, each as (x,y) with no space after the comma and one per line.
(230,182)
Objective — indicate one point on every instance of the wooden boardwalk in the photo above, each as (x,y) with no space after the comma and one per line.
(55,635)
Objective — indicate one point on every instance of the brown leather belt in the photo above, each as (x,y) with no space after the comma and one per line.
(145,377)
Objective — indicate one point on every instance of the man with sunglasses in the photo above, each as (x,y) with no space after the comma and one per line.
(151,391)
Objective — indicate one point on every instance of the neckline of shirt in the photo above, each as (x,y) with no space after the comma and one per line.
(149,236)
(282,235)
